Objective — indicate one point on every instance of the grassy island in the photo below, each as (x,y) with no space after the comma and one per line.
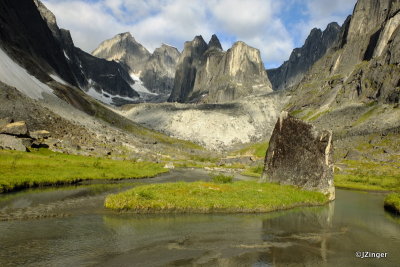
(209,197)
(392,203)
(22,170)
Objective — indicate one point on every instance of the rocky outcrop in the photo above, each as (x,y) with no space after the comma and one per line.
(10,142)
(214,42)
(159,71)
(18,128)
(301,59)
(189,63)
(16,136)
(123,48)
(156,70)
(208,74)
(300,155)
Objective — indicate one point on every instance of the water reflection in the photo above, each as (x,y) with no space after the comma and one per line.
(92,236)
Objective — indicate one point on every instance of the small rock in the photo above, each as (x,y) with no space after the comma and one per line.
(41,134)
(169,165)
(11,143)
(15,128)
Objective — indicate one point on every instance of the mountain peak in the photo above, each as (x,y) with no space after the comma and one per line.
(214,42)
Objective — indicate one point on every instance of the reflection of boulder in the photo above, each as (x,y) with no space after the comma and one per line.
(300,155)
(308,232)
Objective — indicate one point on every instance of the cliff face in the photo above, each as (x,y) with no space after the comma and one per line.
(205,73)
(363,65)
(159,71)
(25,36)
(156,70)
(123,48)
(89,72)
(301,59)
(189,63)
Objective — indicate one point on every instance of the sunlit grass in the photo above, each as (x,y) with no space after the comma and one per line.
(208,197)
(22,169)
(254,171)
(392,202)
(367,175)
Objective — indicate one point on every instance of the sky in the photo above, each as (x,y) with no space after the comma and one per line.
(275,27)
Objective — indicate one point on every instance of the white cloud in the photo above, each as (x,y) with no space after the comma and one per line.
(152,22)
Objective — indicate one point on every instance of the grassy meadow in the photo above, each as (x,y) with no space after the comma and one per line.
(211,197)
(43,167)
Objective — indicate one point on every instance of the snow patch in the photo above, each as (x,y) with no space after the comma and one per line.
(105,97)
(14,75)
(138,86)
(58,79)
(66,56)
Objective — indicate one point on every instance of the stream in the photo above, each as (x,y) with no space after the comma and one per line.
(68,226)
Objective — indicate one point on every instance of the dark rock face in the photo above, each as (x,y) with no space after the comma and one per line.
(301,156)
(214,42)
(89,71)
(208,74)
(316,45)
(25,36)
(156,70)
(189,63)
(30,35)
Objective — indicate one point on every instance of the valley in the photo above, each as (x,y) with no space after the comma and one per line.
(169,152)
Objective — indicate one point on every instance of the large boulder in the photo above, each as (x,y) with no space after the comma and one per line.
(300,155)
(18,128)
(11,143)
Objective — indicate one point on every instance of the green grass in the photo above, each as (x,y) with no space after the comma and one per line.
(43,167)
(254,171)
(392,203)
(221,178)
(257,149)
(367,115)
(207,197)
(368,175)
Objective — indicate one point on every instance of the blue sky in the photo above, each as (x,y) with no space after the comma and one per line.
(273,26)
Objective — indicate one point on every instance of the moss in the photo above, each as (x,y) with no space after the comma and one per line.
(206,197)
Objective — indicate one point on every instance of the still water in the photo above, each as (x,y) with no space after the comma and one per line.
(68,226)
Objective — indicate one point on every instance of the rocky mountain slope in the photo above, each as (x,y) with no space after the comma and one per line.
(156,71)
(103,80)
(206,73)
(37,86)
(355,88)
(301,59)
(217,127)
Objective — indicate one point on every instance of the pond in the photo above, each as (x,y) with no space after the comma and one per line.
(68,226)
